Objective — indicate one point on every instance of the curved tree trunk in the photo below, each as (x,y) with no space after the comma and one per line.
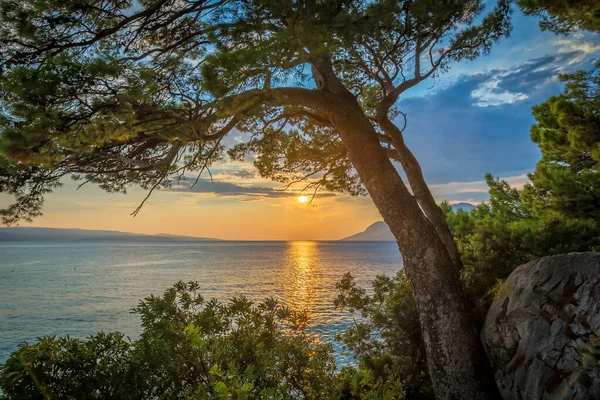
(420,189)
(457,362)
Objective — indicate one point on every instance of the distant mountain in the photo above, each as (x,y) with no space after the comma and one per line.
(380,232)
(462,206)
(76,235)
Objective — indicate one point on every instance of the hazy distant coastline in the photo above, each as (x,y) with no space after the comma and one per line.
(377,232)
(33,234)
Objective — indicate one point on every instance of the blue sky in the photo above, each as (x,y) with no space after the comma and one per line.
(476,118)
(473,119)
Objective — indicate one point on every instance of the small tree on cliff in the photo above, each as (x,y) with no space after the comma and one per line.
(119,93)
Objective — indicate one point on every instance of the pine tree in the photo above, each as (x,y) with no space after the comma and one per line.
(116,93)
(567,178)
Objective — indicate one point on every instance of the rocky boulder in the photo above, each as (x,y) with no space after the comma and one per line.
(542,333)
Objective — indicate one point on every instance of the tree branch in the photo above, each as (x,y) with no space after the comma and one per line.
(420,189)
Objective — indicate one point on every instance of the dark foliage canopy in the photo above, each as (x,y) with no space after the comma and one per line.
(122,93)
(564,16)
(567,178)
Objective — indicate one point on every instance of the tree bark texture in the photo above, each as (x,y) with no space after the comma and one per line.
(456,359)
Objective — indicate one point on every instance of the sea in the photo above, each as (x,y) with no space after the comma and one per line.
(83,287)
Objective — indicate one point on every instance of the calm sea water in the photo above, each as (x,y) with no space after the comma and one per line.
(81,288)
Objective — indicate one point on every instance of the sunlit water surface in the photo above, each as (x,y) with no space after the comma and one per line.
(81,288)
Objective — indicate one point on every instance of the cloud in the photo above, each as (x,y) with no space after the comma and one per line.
(229,189)
(488,94)
(481,122)
(228,170)
(507,86)
(584,46)
(472,192)
(251,199)
(455,139)
(240,173)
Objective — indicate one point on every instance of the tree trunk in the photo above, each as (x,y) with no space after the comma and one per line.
(457,362)
(420,189)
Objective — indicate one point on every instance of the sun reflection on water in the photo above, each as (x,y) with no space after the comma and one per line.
(301,280)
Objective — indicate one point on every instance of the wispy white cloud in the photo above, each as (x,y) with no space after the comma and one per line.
(581,45)
(519,82)
(230,189)
(471,192)
(238,171)
(584,46)
(489,94)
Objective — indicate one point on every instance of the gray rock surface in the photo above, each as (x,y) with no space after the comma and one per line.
(542,334)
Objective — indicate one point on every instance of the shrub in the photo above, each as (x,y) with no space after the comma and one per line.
(189,348)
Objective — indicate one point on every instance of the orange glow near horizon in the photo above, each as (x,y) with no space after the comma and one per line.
(208,215)
(236,215)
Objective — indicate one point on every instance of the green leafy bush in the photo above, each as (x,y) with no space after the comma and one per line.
(493,239)
(387,341)
(189,348)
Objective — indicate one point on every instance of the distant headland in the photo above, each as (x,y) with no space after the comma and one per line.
(380,232)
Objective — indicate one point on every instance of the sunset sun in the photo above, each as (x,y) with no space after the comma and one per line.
(302,199)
